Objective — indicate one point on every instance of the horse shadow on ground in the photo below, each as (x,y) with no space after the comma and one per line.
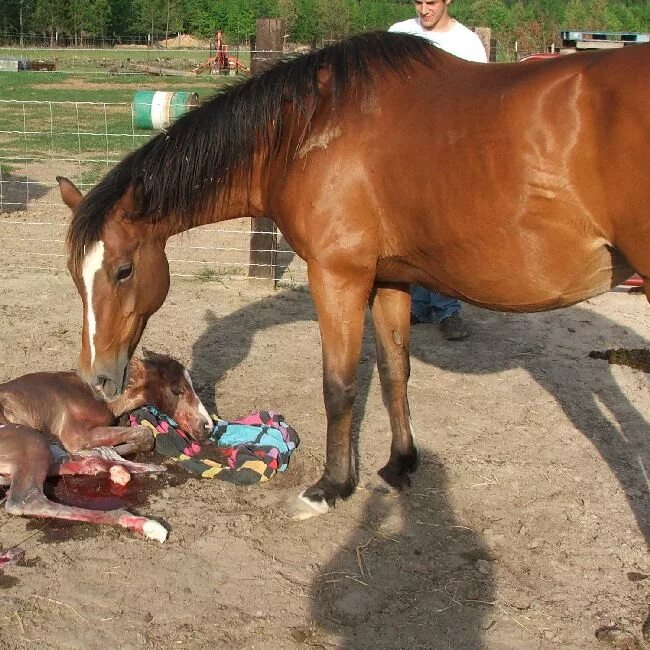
(424,566)
(582,389)
(17,191)
(408,575)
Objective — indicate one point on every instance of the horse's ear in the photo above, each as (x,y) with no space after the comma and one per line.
(324,79)
(131,202)
(69,192)
(137,196)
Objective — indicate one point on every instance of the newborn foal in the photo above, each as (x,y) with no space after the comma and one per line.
(38,406)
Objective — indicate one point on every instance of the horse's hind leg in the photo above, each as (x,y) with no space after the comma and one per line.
(340,300)
(390,309)
(92,465)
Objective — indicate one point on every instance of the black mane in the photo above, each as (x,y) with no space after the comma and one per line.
(187,168)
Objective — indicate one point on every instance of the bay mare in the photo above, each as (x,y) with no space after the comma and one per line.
(383,161)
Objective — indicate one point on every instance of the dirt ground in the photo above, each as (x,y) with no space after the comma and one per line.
(526,525)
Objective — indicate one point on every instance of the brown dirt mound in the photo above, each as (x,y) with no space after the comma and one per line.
(183,40)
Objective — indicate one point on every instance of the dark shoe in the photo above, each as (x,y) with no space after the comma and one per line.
(453,328)
(415,320)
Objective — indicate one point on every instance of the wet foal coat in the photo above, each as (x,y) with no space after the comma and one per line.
(384,161)
(38,408)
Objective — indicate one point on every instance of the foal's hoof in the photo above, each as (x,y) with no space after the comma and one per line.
(153,530)
(305,507)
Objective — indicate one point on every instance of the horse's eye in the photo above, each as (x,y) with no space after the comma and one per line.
(124,273)
(177,390)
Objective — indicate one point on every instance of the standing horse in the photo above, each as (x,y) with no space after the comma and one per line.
(383,161)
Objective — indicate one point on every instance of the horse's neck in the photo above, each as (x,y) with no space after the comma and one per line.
(245,199)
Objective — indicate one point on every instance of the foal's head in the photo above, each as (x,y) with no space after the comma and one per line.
(122,278)
(165,383)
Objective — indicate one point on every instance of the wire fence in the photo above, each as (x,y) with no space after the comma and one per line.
(40,140)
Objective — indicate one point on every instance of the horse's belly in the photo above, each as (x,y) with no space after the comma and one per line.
(547,282)
(562,285)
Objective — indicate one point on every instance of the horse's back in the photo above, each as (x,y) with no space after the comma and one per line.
(498,184)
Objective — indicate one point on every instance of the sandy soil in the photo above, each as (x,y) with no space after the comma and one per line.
(526,526)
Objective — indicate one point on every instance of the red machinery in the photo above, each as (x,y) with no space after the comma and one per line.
(220,60)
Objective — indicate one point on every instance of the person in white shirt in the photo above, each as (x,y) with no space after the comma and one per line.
(434,23)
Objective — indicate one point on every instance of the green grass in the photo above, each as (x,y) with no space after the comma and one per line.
(212,274)
(117,60)
(63,125)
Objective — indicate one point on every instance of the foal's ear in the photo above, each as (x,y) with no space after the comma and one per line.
(136,369)
(149,355)
(69,192)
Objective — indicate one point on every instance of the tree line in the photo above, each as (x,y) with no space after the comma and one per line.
(532,24)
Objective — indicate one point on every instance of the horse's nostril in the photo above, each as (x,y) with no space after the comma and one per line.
(106,387)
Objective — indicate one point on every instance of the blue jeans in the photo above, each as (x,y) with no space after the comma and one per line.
(428,306)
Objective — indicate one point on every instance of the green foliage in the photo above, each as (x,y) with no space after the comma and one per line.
(532,24)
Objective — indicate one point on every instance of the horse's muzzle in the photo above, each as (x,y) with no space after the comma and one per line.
(107,385)
(107,388)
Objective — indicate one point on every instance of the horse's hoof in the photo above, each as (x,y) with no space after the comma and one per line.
(305,507)
(395,477)
(378,486)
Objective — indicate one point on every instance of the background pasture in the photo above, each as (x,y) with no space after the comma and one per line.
(79,124)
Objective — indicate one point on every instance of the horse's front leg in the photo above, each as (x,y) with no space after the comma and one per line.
(390,309)
(340,303)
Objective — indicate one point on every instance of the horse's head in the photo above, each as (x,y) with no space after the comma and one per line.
(122,276)
(165,383)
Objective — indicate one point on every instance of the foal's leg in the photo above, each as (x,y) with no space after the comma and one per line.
(28,453)
(340,302)
(390,309)
(128,439)
(92,465)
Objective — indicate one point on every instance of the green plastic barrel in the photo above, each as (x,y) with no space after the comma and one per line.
(157,109)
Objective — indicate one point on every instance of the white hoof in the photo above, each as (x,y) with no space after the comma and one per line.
(154,530)
(304,508)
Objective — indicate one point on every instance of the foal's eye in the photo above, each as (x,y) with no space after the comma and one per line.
(124,273)
(177,390)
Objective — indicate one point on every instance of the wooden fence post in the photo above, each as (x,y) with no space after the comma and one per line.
(485,34)
(267,49)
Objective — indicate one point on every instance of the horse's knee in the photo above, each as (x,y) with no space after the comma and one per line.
(144,437)
(339,396)
(24,501)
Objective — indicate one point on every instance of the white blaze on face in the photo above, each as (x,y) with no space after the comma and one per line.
(202,410)
(93,260)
